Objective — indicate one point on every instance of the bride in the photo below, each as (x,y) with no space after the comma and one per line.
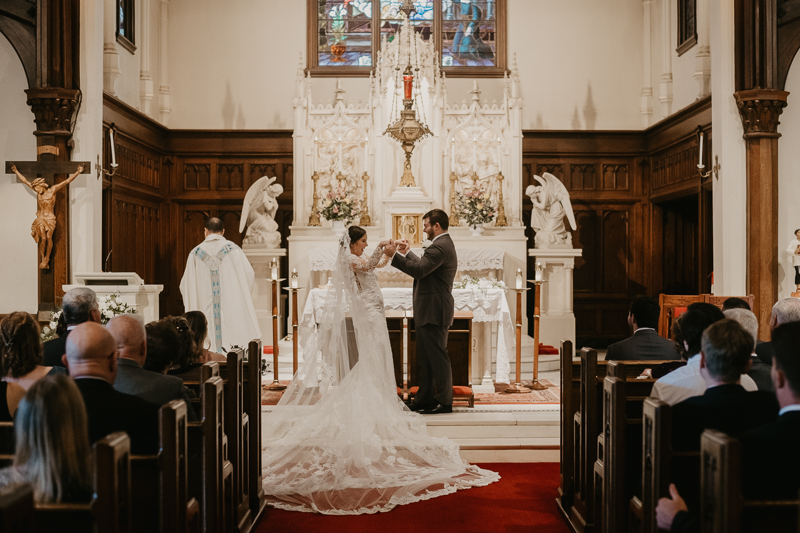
(340,441)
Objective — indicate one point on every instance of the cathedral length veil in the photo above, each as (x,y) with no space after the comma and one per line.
(340,441)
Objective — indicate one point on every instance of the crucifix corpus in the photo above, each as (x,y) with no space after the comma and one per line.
(45,187)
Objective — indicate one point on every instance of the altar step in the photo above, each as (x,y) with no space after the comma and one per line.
(502,433)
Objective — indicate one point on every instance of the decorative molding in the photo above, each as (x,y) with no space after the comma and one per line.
(197,176)
(760,110)
(54,109)
(164,106)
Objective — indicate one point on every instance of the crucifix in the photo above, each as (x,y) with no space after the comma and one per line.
(43,229)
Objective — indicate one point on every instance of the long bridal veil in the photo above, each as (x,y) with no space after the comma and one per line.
(340,441)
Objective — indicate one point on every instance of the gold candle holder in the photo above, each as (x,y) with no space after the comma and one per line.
(518,388)
(275,385)
(365,218)
(501,208)
(313,218)
(454,218)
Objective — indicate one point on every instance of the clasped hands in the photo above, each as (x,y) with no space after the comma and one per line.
(391,246)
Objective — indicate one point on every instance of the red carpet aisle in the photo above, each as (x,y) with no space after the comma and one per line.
(523,500)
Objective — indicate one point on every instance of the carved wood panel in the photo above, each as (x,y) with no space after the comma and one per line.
(230,176)
(137,237)
(197,176)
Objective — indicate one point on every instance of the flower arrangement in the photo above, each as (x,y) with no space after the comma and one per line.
(475,206)
(468,282)
(110,306)
(338,14)
(339,204)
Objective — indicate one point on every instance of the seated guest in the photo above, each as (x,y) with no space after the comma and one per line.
(770,462)
(189,362)
(21,351)
(735,303)
(163,346)
(91,359)
(686,381)
(52,446)
(131,377)
(645,343)
(725,405)
(78,306)
(199,326)
(759,370)
(783,312)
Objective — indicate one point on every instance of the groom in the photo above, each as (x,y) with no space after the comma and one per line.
(433,275)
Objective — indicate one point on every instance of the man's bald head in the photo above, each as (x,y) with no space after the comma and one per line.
(130,337)
(91,352)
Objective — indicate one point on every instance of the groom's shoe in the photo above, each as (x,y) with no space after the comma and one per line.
(438,409)
(419,407)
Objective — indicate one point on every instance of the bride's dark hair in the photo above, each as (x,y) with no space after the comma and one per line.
(355,233)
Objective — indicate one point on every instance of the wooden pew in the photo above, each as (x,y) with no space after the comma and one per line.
(585,434)
(237,428)
(110,509)
(669,302)
(656,452)
(252,408)
(723,509)
(7,440)
(569,405)
(16,510)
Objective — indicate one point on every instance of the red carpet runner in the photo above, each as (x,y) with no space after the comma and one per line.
(523,500)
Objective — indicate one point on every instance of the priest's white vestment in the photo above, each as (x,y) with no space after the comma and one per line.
(218,281)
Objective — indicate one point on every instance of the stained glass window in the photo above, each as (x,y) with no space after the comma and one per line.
(687,25)
(125,29)
(468,35)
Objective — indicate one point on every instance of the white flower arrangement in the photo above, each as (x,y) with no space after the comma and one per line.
(468,282)
(110,306)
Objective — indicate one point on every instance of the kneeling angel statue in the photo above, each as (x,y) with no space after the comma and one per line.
(258,213)
(550,204)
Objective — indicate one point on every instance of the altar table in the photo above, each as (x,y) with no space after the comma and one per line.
(486,305)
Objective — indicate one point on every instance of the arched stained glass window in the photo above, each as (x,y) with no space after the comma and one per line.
(125,28)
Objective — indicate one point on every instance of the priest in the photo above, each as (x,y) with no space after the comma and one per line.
(218,282)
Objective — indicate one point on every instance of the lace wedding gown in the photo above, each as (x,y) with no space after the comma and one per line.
(340,441)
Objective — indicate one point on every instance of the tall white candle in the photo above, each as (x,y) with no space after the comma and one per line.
(519,278)
(700,162)
(294,278)
(113,151)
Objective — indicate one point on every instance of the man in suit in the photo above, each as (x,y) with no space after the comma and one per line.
(770,462)
(783,312)
(645,344)
(687,381)
(132,379)
(92,361)
(78,306)
(758,370)
(433,275)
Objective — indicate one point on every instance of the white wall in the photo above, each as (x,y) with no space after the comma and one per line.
(788,180)
(233,64)
(18,268)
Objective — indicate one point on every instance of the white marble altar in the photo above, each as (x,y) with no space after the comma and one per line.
(557,313)
(131,289)
(260,256)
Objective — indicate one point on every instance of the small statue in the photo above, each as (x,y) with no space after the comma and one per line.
(550,204)
(44,225)
(258,213)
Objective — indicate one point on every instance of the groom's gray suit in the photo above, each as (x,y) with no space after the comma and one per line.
(433,275)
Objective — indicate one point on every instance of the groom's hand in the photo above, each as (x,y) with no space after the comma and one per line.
(402,246)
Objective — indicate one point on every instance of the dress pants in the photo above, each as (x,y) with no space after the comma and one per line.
(434,373)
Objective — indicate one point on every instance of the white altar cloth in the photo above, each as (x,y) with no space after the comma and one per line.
(469,259)
(486,305)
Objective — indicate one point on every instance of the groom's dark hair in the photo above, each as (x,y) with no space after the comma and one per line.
(437,216)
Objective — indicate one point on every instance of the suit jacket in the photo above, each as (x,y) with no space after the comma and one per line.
(770,462)
(643,345)
(764,352)
(433,275)
(54,349)
(151,386)
(110,410)
(759,371)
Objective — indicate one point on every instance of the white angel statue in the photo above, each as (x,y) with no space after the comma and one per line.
(258,213)
(550,204)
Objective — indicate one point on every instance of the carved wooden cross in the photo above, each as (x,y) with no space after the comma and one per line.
(48,212)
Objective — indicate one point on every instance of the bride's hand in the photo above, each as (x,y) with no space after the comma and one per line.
(384,244)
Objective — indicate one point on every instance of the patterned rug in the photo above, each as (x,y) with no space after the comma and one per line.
(551,395)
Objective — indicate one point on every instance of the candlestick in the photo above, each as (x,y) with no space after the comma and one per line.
(294,278)
(274,268)
(539,276)
(519,278)
(113,150)
(700,162)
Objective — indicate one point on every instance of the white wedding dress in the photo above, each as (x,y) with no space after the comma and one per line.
(340,441)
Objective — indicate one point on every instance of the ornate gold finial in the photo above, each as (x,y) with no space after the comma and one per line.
(454,218)
(501,208)
(313,218)
(365,218)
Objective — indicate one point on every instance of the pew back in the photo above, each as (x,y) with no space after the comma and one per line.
(16,510)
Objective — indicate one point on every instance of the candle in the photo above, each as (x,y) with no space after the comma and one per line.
(700,162)
(408,81)
(294,278)
(113,151)
(519,278)
(274,268)
(539,272)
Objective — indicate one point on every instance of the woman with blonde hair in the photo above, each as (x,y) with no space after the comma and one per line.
(52,443)
(21,351)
